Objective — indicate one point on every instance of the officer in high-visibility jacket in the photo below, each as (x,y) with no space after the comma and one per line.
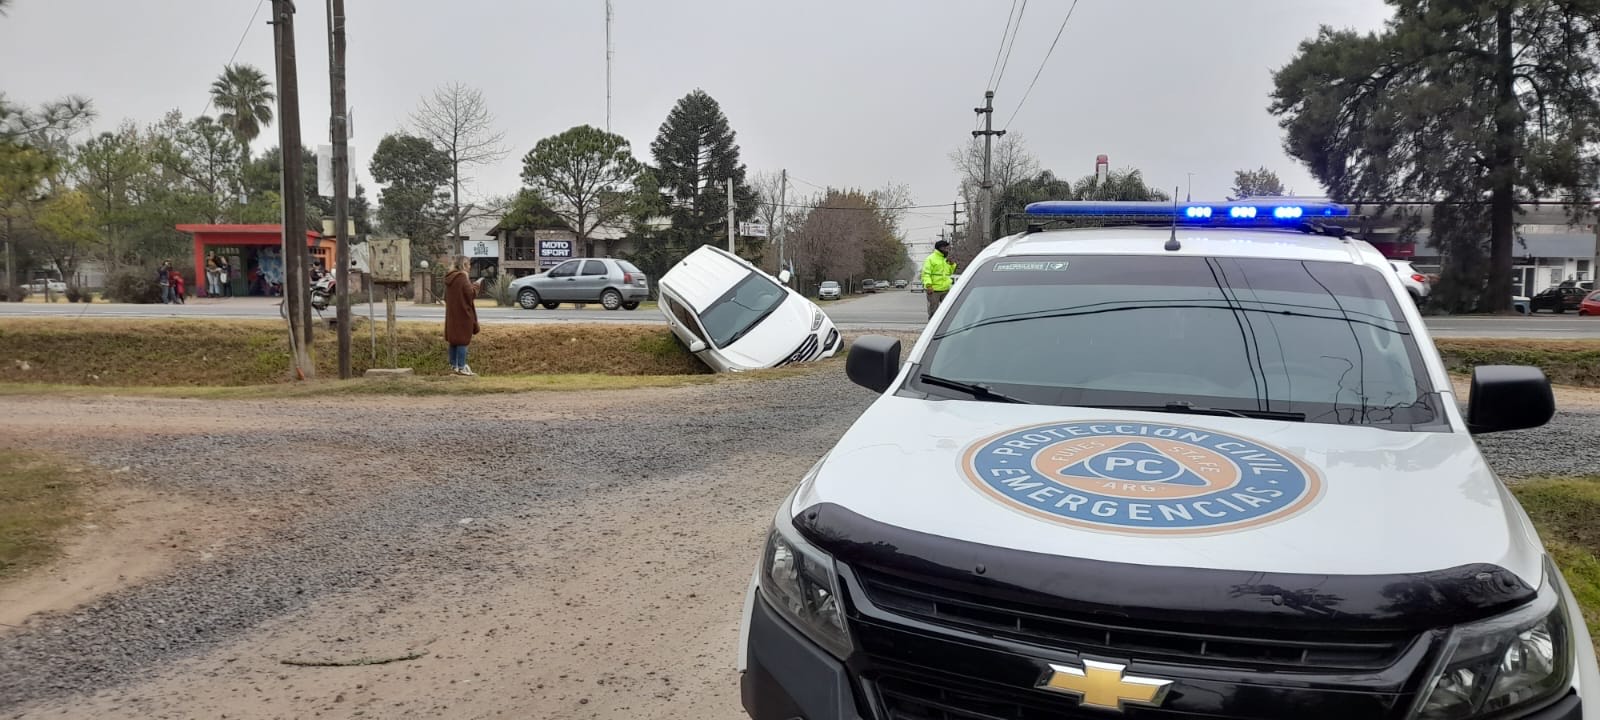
(936,272)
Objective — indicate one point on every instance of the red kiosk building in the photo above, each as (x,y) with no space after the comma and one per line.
(254,253)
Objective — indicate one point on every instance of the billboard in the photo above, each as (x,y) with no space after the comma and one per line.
(554,252)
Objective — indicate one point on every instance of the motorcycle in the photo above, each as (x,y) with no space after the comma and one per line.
(322,290)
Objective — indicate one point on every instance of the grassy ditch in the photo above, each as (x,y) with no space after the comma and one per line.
(1566,362)
(200,353)
(1567,512)
(37,499)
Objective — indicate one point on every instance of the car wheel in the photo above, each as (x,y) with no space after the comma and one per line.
(1559,310)
(551,305)
(611,300)
(630,306)
(528,298)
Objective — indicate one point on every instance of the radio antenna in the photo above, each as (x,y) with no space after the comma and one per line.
(1172,240)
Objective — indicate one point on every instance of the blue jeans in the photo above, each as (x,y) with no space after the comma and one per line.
(458,356)
(167,295)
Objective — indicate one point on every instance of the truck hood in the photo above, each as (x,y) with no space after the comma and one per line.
(1176,490)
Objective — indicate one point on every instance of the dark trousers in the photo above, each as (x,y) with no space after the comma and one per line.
(934,298)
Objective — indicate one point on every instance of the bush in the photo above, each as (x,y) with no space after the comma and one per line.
(500,289)
(133,286)
(14,294)
(74,294)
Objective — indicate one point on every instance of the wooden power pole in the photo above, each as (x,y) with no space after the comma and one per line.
(295,254)
(340,131)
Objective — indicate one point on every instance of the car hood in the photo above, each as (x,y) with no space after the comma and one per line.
(1350,499)
(777,336)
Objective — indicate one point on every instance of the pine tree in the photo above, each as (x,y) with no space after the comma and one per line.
(695,154)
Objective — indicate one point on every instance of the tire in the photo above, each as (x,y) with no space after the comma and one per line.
(1560,310)
(630,306)
(611,299)
(528,298)
(551,305)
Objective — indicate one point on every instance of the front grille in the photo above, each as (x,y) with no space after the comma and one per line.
(1208,645)
(907,699)
(808,350)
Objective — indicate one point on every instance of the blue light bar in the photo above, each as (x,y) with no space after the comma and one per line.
(1256,212)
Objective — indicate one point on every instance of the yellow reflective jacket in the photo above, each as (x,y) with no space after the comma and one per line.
(936,272)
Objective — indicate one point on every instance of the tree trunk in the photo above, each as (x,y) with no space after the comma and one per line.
(1502,171)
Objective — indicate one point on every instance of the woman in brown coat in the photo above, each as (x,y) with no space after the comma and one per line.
(460,315)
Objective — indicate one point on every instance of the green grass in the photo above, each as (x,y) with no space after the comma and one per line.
(37,499)
(1567,512)
(1565,362)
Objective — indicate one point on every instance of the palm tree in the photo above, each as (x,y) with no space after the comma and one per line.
(244,97)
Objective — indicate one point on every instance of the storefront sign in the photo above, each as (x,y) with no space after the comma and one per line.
(554,252)
(481,248)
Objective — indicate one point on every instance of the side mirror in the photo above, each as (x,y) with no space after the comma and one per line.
(873,362)
(783,277)
(1509,397)
(697,346)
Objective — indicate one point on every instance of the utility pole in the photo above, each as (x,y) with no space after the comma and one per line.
(955,224)
(295,254)
(777,215)
(340,130)
(988,133)
(11,280)
(731,227)
(608,65)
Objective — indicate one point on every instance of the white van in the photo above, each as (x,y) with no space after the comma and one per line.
(735,317)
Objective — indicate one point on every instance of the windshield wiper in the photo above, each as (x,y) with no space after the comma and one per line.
(1188,409)
(978,391)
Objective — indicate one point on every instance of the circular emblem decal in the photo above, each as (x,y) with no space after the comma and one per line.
(1141,478)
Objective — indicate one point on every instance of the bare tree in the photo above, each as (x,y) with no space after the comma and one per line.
(1012,163)
(456,119)
(768,187)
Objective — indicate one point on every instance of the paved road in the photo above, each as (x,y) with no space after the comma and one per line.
(894,310)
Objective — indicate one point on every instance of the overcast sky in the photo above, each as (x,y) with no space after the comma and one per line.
(840,93)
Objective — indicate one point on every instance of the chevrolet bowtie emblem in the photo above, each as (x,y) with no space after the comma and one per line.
(1102,685)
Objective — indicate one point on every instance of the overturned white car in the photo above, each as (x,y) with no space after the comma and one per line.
(735,317)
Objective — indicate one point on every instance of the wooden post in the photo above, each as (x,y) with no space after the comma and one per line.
(388,306)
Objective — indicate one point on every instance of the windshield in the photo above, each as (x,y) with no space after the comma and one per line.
(732,315)
(1318,339)
(830,284)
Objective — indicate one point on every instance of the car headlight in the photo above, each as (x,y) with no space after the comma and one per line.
(1511,661)
(800,582)
(816,319)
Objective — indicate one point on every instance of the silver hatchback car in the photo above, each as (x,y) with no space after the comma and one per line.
(614,284)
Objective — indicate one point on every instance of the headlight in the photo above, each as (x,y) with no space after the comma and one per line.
(1512,661)
(816,319)
(799,580)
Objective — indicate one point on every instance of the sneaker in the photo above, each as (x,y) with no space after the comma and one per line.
(467,371)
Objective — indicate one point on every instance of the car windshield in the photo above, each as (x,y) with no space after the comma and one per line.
(748,303)
(830,284)
(1316,341)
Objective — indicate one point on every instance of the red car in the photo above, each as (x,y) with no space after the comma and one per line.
(1591,304)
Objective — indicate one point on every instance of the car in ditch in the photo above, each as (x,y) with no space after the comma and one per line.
(734,317)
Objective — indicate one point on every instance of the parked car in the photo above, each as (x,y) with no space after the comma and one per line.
(1590,305)
(614,284)
(830,290)
(915,287)
(883,284)
(38,287)
(899,283)
(1415,283)
(869,286)
(1557,299)
(735,317)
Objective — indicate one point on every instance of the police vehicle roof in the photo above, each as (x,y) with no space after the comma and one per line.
(1194,241)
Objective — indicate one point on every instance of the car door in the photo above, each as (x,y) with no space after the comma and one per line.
(591,281)
(557,285)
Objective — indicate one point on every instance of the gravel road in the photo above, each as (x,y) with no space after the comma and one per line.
(548,555)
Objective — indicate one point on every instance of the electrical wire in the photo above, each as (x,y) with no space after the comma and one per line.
(1042,63)
(237,47)
(1012,46)
(869,209)
(1003,34)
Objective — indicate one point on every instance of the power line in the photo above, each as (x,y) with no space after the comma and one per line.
(1042,63)
(1003,34)
(242,36)
(870,209)
(1014,32)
